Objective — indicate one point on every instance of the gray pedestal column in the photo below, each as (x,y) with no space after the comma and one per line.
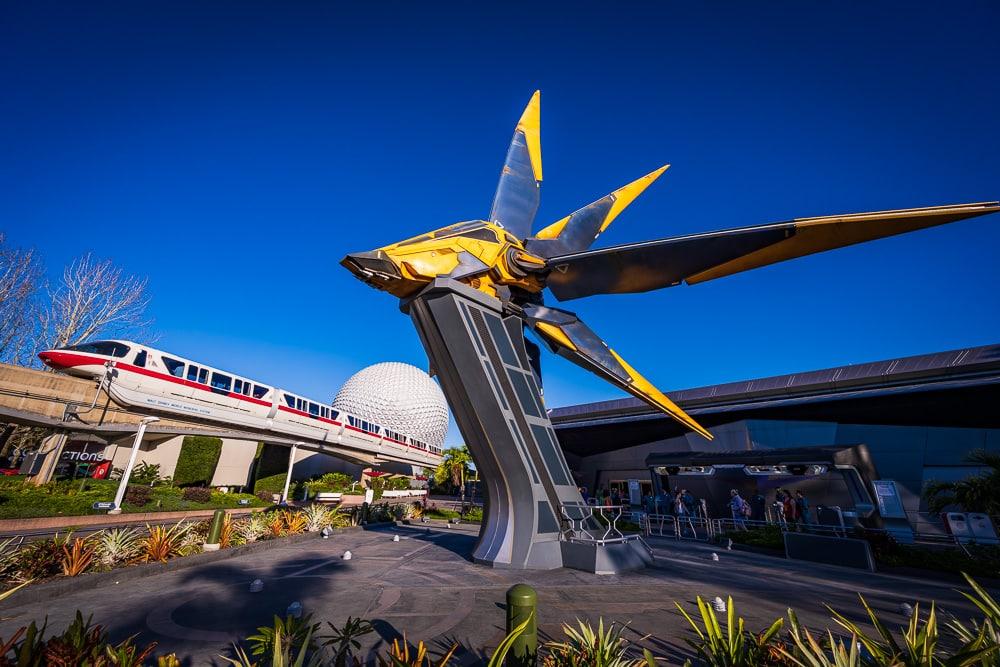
(480,359)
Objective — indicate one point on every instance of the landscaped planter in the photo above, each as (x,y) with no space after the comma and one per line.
(61,585)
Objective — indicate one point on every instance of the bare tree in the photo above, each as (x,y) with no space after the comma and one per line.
(94,298)
(21,279)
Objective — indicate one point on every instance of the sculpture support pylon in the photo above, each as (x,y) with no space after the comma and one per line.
(481,361)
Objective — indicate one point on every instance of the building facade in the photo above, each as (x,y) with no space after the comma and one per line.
(919,418)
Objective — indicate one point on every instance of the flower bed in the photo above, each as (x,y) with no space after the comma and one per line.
(110,549)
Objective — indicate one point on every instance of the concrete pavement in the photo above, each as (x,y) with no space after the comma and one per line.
(424,586)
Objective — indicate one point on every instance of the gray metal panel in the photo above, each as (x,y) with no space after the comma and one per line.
(464,334)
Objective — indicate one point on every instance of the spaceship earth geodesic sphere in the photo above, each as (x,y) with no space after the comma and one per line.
(399,397)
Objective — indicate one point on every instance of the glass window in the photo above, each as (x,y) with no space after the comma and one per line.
(246,387)
(174,367)
(238,386)
(107,348)
(140,359)
(192,373)
(203,376)
(221,382)
(314,410)
(290,400)
(259,391)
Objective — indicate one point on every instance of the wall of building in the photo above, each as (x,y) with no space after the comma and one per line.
(152,451)
(235,459)
(910,455)
(234,462)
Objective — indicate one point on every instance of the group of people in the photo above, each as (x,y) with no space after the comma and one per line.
(792,508)
(603,496)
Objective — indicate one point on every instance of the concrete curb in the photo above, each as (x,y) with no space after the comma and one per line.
(59,586)
(61,523)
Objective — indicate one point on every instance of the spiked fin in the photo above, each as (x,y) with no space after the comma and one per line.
(567,336)
(578,231)
(695,258)
(517,197)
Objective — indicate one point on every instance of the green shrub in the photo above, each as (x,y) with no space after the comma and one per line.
(766,537)
(276,484)
(271,460)
(138,495)
(39,560)
(197,494)
(331,482)
(197,461)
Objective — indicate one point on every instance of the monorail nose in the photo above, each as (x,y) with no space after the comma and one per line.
(372,267)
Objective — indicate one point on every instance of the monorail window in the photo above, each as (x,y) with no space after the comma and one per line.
(140,359)
(290,400)
(107,348)
(314,410)
(192,373)
(259,391)
(246,388)
(221,382)
(238,386)
(203,376)
(174,367)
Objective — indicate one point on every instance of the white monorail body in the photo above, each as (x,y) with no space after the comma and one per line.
(151,380)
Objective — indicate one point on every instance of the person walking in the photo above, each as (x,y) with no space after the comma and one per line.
(802,508)
(779,507)
(688,501)
(739,508)
(791,511)
(683,516)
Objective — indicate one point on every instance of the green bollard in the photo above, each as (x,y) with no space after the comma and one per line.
(215,531)
(522,604)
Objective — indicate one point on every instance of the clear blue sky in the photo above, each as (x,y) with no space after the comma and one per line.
(233,152)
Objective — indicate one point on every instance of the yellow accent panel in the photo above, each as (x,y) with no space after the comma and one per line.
(531,125)
(553,230)
(556,334)
(814,235)
(627,194)
(644,389)
(530,259)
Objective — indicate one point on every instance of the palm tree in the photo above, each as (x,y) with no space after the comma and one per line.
(454,467)
(976,493)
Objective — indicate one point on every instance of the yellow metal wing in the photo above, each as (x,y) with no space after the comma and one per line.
(517,196)
(695,258)
(571,339)
(579,230)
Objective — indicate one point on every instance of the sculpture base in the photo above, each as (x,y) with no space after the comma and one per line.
(610,558)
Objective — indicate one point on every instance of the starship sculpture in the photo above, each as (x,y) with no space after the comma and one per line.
(472,288)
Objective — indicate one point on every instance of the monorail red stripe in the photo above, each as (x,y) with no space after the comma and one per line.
(69,359)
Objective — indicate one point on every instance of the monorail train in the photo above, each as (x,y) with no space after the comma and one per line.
(152,380)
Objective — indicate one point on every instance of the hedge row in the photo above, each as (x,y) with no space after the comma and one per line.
(197,461)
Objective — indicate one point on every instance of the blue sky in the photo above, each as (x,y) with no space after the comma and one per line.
(234,152)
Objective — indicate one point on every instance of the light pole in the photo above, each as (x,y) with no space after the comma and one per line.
(117,509)
(288,477)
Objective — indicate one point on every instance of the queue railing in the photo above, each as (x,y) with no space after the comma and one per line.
(595,524)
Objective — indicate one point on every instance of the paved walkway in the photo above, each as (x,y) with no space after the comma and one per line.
(424,586)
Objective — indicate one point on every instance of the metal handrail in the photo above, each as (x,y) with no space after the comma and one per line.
(585,523)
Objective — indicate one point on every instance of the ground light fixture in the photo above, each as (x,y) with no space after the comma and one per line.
(127,473)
